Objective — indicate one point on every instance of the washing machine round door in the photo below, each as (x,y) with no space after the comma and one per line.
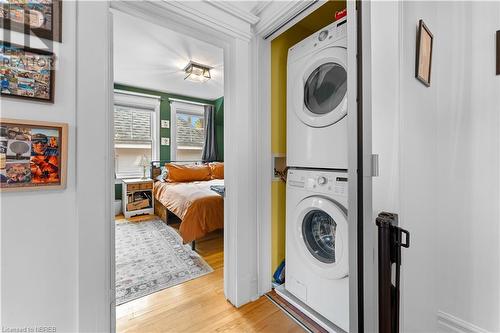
(321,235)
(322,89)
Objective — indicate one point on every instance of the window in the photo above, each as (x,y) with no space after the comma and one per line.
(188,131)
(135,133)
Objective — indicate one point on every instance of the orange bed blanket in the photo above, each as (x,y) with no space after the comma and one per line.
(200,209)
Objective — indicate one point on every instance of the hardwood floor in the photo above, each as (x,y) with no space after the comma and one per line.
(199,305)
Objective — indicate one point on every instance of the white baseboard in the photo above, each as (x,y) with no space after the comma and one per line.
(454,324)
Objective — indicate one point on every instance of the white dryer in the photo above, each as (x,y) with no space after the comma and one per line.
(317,260)
(317,100)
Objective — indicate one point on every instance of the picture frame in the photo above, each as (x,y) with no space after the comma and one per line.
(33,155)
(423,63)
(26,72)
(498,52)
(33,17)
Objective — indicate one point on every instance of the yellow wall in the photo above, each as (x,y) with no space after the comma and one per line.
(279,50)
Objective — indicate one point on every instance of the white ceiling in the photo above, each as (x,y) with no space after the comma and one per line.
(150,56)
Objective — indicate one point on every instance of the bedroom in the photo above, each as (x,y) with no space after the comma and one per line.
(169,170)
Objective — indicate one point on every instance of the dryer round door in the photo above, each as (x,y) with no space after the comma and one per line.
(321,235)
(322,88)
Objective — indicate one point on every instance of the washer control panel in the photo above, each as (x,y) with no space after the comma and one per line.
(327,182)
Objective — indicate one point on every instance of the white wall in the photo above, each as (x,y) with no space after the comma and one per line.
(440,154)
(39,229)
(418,177)
(468,122)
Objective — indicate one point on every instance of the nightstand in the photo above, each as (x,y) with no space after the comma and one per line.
(137,197)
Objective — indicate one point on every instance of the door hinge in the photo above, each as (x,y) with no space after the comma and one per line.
(375,168)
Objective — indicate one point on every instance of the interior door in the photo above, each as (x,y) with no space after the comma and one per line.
(438,159)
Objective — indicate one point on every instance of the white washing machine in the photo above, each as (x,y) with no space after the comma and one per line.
(317,260)
(317,100)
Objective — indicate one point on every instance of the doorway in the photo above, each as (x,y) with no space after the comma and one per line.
(169,165)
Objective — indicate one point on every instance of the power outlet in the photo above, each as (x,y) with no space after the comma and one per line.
(165,141)
(165,124)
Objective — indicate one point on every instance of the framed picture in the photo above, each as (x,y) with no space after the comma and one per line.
(423,63)
(498,52)
(33,155)
(41,18)
(26,72)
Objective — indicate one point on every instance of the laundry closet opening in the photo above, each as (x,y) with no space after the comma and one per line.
(309,146)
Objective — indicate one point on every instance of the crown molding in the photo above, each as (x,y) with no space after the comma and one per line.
(236,11)
(185,12)
(261,5)
(456,324)
(278,13)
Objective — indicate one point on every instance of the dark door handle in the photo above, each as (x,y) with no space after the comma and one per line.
(407,238)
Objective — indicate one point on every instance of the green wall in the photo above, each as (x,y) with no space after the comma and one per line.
(219,127)
(165,115)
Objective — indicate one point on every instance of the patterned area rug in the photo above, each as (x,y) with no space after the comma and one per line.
(150,257)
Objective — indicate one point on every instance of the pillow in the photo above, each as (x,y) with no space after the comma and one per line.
(163,175)
(187,173)
(217,170)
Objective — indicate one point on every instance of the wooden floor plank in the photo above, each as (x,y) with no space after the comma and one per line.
(199,305)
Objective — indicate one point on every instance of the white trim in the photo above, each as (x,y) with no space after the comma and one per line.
(136,101)
(182,11)
(229,8)
(180,100)
(110,175)
(180,106)
(278,13)
(370,276)
(126,92)
(455,324)
(259,8)
(94,185)
(261,88)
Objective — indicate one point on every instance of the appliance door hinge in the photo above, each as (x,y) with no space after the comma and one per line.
(375,167)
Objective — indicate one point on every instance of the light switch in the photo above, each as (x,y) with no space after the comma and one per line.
(165,141)
(165,124)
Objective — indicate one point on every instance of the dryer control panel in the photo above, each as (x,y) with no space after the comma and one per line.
(327,182)
(327,36)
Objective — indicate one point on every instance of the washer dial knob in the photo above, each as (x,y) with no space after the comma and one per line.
(322,180)
(322,35)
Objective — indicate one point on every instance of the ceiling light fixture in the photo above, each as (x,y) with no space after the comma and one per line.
(197,72)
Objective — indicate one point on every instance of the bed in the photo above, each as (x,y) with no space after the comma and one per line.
(198,208)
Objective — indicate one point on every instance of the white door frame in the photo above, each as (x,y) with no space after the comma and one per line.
(94,114)
(240,226)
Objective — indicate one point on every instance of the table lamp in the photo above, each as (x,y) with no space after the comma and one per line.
(144,163)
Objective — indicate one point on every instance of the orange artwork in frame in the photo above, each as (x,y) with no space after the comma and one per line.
(33,155)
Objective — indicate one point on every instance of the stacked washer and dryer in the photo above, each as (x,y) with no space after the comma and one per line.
(317,267)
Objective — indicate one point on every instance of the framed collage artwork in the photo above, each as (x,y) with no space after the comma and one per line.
(26,72)
(41,18)
(33,155)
